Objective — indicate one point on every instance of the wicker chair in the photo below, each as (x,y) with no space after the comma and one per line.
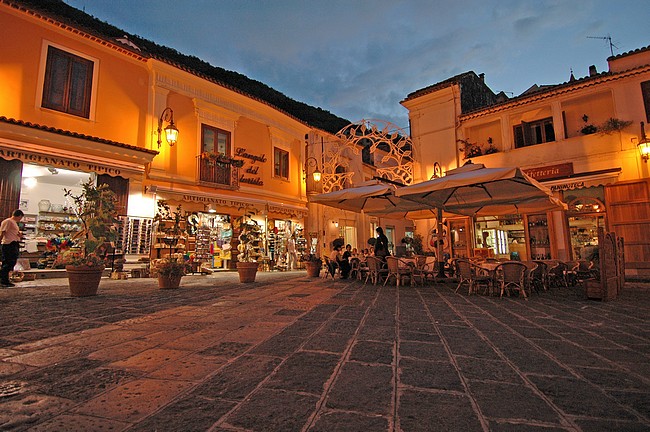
(376,272)
(472,275)
(397,271)
(539,277)
(557,275)
(512,275)
(424,270)
(332,268)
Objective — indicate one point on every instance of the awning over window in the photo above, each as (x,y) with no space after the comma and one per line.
(584,180)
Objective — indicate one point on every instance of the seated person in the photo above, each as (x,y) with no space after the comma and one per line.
(344,264)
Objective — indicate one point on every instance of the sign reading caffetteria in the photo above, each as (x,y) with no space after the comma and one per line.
(550,171)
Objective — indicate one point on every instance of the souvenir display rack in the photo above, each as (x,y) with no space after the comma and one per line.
(134,235)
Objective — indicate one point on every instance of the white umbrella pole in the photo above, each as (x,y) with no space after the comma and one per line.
(441,260)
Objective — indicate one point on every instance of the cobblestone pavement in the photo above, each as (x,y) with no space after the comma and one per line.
(291,353)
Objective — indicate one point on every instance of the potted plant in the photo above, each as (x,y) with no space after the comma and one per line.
(250,235)
(170,269)
(96,208)
(313,264)
(588,128)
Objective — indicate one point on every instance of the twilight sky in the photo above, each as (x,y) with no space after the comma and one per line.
(359,58)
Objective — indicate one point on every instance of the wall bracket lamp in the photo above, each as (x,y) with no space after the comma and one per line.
(312,162)
(644,145)
(171,131)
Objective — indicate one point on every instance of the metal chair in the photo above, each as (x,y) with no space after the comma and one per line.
(512,275)
(472,275)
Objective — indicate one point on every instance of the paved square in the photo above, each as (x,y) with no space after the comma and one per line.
(291,353)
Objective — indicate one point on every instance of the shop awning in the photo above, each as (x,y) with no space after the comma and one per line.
(584,180)
(233,204)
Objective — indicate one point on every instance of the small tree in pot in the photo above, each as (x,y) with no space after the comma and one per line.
(170,269)
(96,208)
(250,236)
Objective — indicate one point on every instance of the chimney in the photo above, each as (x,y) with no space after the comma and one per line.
(592,70)
(482,76)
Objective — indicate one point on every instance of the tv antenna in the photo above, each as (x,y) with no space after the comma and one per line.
(607,38)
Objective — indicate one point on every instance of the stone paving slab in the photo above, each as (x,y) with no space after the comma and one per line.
(291,353)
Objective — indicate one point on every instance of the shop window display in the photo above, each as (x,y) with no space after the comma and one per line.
(501,237)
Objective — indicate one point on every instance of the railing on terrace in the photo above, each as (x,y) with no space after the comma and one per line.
(217,174)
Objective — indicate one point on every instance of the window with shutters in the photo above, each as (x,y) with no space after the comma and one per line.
(68,82)
(532,133)
(281,163)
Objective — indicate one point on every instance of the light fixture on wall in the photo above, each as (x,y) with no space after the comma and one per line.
(171,131)
(336,223)
(311,162)
(644,145)
(211,208)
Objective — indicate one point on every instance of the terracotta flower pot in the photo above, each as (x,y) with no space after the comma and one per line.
(84,280)
(313,268)
(169,282)
(247,271)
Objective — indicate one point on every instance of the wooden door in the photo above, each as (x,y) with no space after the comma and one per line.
(628,214)
(10,177)
(120,186)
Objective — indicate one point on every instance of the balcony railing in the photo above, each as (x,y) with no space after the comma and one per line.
(217,174)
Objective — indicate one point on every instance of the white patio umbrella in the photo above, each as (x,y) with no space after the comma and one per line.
(474,189)
(371,198)
(473,186)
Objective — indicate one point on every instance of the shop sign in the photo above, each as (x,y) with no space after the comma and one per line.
(250,172)
(59,162)
(550,171)
(288,211)
(217,201)
(568,186)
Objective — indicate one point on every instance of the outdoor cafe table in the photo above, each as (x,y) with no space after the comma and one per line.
(490,268)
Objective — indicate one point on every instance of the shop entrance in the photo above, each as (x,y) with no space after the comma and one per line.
(586,213)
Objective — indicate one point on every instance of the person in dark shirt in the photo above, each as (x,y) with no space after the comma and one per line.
(381,244)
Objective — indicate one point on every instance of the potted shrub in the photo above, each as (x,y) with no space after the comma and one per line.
(95,206)
(170,270)
(313,264)
(250,236)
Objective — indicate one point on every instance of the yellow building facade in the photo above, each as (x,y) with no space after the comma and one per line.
(80,100)
(579,138)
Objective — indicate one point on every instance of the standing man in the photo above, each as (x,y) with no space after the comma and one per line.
(292,257)
(10,237)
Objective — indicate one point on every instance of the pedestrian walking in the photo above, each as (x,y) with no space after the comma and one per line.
(10,237)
